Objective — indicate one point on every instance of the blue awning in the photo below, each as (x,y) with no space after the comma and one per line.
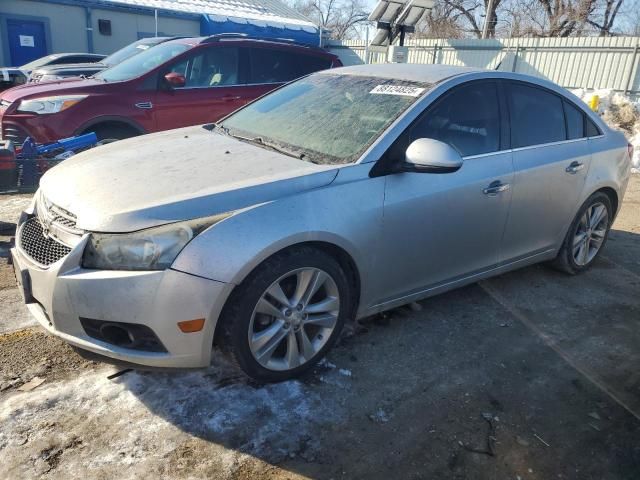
(299,32)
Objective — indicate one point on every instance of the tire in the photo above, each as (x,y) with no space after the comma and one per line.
(573,262)
(248,314)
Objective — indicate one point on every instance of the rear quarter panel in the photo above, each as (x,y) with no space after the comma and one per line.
(610,164)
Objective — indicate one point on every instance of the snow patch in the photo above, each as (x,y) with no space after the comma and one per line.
(86,427)
(620,113)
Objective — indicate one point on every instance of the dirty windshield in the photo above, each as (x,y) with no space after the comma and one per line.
(325,118)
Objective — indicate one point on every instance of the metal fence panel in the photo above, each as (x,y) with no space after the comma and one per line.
(585,62)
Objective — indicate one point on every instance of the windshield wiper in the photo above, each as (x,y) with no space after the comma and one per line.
(258,141)
(273,146)
(222,128)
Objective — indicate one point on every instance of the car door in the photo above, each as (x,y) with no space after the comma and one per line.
(214,87)
(439,228)
(551,158)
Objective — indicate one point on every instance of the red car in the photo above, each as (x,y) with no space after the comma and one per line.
(182,82)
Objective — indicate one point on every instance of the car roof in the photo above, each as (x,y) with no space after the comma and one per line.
(405,71)
(241,38)
(72,54)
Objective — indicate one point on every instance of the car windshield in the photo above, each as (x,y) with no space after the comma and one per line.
(129,51)
(142,63)
(38,62)
(325,118)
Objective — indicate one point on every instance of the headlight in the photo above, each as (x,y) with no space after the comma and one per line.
(49,104)
(151,249)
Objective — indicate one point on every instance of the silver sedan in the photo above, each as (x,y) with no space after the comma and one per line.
(340,195)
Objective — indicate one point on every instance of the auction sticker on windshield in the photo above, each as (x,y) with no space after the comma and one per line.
(397,90)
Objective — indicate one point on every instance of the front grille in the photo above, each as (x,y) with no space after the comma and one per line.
(14,133)
(55,216)
(61,217)
(42,249)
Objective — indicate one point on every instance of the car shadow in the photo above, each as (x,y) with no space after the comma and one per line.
(420,392)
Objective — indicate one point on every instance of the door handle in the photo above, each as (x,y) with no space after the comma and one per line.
(574,168)
(144,105)
(495,188)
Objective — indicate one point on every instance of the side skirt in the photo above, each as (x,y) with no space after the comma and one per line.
(451,285)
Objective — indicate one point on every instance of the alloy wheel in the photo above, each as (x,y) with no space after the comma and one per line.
(590,234)
(294,318)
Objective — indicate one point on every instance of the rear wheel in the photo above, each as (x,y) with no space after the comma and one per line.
(287,314)
(586,236)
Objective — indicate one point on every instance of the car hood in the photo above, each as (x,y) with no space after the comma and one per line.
(34,90)
(171,176)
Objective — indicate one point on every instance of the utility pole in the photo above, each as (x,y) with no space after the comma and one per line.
(487,18)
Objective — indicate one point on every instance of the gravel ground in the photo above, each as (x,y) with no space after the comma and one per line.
(530,375)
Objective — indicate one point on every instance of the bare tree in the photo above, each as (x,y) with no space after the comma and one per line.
(443,21)
(469,10)
(463,17)
(609,14)
(341,17)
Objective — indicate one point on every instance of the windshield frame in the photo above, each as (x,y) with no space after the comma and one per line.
(356,158)
(131,47)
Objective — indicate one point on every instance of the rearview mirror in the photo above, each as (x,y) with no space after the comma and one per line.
(426,155)
(175,80)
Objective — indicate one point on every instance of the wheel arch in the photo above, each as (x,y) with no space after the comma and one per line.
(340,254)
(613,198)
(111,120)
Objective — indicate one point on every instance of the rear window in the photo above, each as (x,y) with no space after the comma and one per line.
(537,116)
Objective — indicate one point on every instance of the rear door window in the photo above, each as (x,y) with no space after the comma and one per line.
(537,116)
(269,65)
(310,63)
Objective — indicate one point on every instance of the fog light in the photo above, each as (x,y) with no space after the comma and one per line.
(190,326)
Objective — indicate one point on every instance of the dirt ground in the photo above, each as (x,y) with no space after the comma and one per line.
(530,375)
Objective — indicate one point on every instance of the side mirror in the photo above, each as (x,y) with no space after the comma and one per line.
(175,80)
(426,155)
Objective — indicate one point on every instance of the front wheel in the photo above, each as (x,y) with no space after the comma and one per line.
(287,314)
(586,236)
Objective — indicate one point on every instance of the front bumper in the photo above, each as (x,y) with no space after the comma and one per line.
(59,295)
(18,126)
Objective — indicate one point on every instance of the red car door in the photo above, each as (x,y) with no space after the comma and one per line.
(213,87)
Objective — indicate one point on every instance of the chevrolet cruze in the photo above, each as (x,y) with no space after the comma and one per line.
(346,193)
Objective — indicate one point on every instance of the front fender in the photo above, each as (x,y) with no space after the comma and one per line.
(347,213)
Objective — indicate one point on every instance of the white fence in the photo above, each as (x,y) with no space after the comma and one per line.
(589,62)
